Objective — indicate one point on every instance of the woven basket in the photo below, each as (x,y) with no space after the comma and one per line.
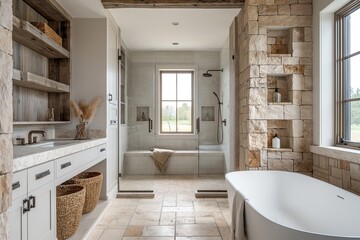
(92,182)
(70,200)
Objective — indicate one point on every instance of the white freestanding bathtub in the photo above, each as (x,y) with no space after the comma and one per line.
(290,206)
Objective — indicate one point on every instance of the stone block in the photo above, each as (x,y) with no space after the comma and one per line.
(267,10)
(345,165)
(290,60)
(253,27)
(335,181)
(252,13)
(257,112)
(280,2)
(297,129)
(355,186)
(308,70)
(6,191)
(4,226)
(308,128)
(297,82)
(281,165)
(257,126)
(257,96)
(292,155)
(5,40)
(323,162)
(308,83)
(301,9)
(6,100)
(308,34)
(263,158)
(355,171)
(6,13)
(298,34)
(258,43)
(305,1)
(257,141)
(335,172)
(308,156)
(294,69)
(302,49)
(295,97)
(260,2)
(252,158)
(316,160)
(291,112)
(273,60)
(284,9)
(6,153)
(304,21)
(275,112)
(301,144)
(306,98)
(306,61)
(254,71)
(346,179)
(301,165)
(278,21)
(306,112)
(271,69)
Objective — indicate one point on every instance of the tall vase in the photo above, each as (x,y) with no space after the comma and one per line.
(82,131)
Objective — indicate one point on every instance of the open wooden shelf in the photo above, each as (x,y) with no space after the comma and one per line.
(28,35)
(42,123)
(46,9)
(33,81)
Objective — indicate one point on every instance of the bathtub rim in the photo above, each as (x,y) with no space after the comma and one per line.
(247,202)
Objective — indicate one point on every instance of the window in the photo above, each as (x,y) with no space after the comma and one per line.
(348,74)
(176,102)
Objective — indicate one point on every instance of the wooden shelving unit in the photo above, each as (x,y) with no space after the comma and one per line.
(33,81)
(46,9)
(28,35)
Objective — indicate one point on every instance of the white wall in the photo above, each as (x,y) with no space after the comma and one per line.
(141,92)
(323,70)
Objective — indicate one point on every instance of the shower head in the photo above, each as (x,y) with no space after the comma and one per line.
(217,98)
(207,74)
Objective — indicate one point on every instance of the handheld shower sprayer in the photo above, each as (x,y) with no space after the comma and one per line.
(219,102)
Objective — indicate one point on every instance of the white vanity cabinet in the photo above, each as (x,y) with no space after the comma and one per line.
(32,215)
(33,210)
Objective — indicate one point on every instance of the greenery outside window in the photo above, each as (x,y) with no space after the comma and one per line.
(176,101)
(348,75)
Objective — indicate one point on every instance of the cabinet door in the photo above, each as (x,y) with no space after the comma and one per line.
(41,217)
(112,65)
(18,220)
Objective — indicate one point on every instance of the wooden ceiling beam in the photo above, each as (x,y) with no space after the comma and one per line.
(173,3)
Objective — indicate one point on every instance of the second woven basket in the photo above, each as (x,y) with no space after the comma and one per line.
(92,182)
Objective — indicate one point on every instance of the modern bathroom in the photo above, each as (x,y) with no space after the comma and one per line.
(161,119)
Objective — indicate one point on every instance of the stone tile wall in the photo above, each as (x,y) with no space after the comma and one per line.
(6,151)
(275,38)
(341,173)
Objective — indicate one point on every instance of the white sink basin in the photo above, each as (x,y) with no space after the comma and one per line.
(51,144)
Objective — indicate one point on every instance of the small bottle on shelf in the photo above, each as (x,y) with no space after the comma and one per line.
(277,96)
(52,115)
(276,141)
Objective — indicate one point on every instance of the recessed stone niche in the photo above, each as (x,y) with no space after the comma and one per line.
(278,41)
(142,113)
(281,82)
(208,113)
(282,128)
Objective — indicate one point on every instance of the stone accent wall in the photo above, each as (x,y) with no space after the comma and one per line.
(275,52)
(340,173)
(6,151)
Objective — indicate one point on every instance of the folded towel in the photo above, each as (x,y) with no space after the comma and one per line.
(237,207)
(160,157)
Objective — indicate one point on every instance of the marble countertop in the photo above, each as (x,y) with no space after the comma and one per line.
(26,156)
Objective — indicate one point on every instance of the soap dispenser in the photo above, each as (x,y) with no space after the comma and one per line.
(276,142)
(277,96)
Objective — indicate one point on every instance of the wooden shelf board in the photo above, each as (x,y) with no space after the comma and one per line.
(42,123)
(33,81)
(46,9)
(29,36)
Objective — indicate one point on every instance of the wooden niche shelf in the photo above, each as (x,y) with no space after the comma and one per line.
(33,81)
(28,35)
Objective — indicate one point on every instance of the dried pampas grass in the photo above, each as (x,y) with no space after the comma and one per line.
(86,112)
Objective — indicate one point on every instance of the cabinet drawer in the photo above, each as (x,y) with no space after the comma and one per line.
(40,175)
(19,184)
(66,164)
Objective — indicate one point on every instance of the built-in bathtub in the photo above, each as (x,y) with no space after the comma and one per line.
(209,161)
(291,206)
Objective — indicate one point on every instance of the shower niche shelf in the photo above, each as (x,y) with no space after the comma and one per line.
(142,113)
(207,113)
(283,129)
(282,83)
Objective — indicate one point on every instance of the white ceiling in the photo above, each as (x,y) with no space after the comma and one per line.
(152,29)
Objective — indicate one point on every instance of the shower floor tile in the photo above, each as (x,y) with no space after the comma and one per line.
(174,213)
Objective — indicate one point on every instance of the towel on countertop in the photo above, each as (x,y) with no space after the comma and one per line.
(237,202)
(161,157)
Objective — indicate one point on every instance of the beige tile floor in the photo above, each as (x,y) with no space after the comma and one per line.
(174,213)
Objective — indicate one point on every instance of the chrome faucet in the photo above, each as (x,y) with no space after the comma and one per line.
(30,137)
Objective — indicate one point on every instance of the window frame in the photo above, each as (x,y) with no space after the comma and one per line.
(342,112)
(176,71)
